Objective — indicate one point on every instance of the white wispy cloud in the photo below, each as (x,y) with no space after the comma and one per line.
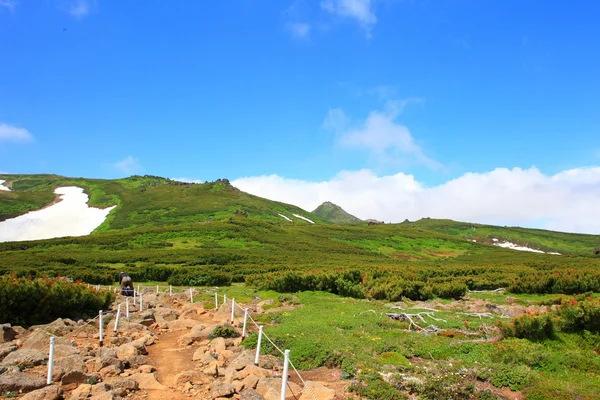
(380,134)
(359,10)
(299,30)
(567,201)
(188,180)
(10,5)
(128,165)
(79,8)
(10,133)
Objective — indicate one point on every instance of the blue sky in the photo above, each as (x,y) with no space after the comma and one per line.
(303,90)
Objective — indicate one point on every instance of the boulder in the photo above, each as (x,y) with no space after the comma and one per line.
(136,361)
(98,363)
(270,388)
(250,394)
(51,392)
(164,314)
(105,352)
(127,350)
(250,381)
(6,349)
(125,383)
(221,389)
(7,333)
(218,345)
(81,392)
(146,369)
(319,391)
(74,378)
(111,370)
(254,370)
(67,364)
(64,350)
(148,382)
(20,382)
(243,360)
(191,376)
(25,358)
(40,340)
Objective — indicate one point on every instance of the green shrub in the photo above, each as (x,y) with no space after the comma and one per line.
(518,351)
(372,386)
(535,327)
(577,316)
(224,331)
(28,302)
(514,377)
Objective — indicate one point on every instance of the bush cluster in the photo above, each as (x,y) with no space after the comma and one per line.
(30,301)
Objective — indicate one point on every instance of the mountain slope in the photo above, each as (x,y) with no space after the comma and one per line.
(148,200)
(335,214)
(537,239)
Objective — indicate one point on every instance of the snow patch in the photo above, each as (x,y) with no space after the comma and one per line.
(2,187)
(71,216)
(304,218)
(283,216)
(509,245)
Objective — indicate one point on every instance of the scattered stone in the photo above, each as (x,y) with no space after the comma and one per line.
(126,351)
(6,349)
(146,369)
(250,381)
(67,364)
(105,352)
(136,361)
(221,389)
(7,333)
(20,382)
(51,392)
(129,385)
(25,358)
(191,376)
(244,359)
(73,378)
(218,345)
(148,382)
(270,388)
(81,392)
(250,394)
(111,370)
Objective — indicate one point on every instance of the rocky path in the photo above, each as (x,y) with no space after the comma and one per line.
(164,352)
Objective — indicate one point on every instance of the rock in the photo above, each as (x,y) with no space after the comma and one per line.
(6,349)
(111,370)
(244,359)
(270,388)
(250,381)
(64,350)
(164,314)
(51,392)
(320,391)
(20,382)
(238,385)
(218,345)
(104,396)
(196,334)
(199,354)
(67,364)
(146,369)
(55,328)
(191,376)
(105,352)
(101,387)
(25,358)
(221,389)
(81,392)
(250,394)
(255,370)
(128,384)
(148,382)
(74,378)
(41,340)
(187,387)
(136,361)
(126,351)
(103,362)
(7,333)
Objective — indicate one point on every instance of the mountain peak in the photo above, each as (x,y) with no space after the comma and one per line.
(336,214)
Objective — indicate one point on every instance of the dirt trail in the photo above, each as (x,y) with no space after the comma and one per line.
(169,359)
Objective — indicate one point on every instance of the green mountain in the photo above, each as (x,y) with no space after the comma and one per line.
(335,214)
(149,200)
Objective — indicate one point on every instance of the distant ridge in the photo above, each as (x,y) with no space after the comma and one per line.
(335,214)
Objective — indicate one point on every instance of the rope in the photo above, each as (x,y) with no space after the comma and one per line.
(302,380)
(274,345)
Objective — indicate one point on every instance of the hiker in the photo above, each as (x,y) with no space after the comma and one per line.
(126,284)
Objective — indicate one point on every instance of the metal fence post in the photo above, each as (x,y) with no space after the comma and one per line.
(117,319)
(101,327)
(245,321)
(50,360)
(127,307)
(232,310)
(260,332)
(285,374)
(216,301)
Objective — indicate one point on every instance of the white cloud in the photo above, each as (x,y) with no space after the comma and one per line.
(387,140)
(360,10)
(9,133)
(128,165)
(299,30)
(10,5)
(79,8)
(188,180)
(567,201)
